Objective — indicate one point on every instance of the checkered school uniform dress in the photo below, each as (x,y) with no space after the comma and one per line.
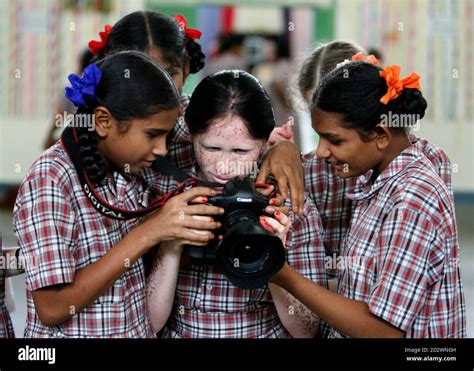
(180,148)
(207,305)
(400,255)
(329,191)
(59,232)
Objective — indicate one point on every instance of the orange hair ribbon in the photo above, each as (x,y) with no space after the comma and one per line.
(391,74)
(366,58)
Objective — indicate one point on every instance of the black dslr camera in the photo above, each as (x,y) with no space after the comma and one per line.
(248,255)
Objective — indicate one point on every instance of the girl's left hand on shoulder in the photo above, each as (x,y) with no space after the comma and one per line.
(279,225)
(284,163)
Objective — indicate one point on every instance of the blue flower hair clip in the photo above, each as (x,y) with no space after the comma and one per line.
(83,87)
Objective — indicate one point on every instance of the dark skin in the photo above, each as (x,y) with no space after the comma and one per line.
(284,163)
(177,219)
(342,146)
(93,280)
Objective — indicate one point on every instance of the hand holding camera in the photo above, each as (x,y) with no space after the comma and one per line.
(280,225)
(248,255)
(177,219)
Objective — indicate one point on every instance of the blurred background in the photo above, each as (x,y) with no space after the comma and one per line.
(43,41)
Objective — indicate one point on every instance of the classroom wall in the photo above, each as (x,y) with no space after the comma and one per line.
(40,41)
(434,38)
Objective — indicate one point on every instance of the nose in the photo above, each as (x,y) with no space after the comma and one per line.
(322,151)
(159,147)
(225,164)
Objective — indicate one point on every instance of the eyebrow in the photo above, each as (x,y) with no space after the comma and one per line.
(330,135)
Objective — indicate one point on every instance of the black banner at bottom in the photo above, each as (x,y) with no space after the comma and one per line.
(245,354)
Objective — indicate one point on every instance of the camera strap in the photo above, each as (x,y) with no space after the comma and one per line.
(69,140)
(165,167)
(162,165)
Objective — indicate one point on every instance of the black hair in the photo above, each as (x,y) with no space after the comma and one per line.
(231,92)
(145,30)
(377,53)
(354,90)
(318,63)
(281,44)
(227,41)
(132,86)
(196,57)
(86,58)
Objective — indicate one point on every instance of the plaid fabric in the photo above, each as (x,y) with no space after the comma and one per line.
(207,305)
(329,191)
(59,232)
(6,327)
(401,251)
(180,149)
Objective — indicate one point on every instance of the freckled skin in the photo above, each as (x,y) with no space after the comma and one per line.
(226,149)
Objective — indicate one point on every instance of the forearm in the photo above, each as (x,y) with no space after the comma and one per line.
(161,286)
(56,304)
(297,318)
(347,316)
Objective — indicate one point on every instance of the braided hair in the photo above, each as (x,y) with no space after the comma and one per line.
(196,57)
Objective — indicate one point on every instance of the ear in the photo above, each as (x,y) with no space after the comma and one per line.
(103,121)
(383,136)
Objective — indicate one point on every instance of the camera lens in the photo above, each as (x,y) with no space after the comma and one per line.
(248,255)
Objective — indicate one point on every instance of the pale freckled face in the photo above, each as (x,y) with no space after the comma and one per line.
(226,150)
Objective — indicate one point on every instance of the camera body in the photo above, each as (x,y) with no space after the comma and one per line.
(248,255)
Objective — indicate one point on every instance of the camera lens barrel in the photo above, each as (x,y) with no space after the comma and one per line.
(248,255)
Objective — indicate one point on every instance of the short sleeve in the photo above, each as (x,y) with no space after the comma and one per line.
(438,158)
(409,260)
(44,224)
(305,248)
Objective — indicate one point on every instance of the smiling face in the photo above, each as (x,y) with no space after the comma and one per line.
(343,147)
(226,149)
(136,148)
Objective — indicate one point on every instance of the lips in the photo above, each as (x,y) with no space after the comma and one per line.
(221,179)
(339,166)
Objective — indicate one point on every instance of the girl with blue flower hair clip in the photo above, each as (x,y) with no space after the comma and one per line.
(86,275)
